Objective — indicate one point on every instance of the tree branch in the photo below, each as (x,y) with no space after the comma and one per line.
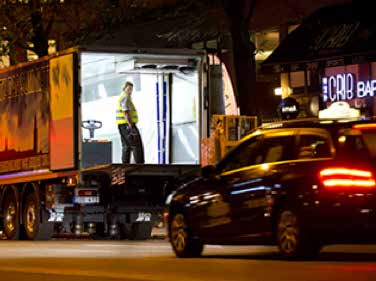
(51,20)
(250,11)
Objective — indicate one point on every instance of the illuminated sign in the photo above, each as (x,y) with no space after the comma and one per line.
(339,109)
(289,108)
(344,87)
(292,108)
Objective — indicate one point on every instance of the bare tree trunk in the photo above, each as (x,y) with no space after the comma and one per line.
(239,12)
(39,38)
(12,55)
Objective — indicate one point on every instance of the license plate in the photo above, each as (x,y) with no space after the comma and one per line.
(142,216)
(86,199)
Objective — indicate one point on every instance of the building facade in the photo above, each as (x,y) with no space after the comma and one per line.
(328,64)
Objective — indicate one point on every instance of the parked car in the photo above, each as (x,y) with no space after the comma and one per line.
(299,185)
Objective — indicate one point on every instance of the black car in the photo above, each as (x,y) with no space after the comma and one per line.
(296,184)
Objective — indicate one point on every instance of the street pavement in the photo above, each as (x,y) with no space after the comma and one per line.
(154,260)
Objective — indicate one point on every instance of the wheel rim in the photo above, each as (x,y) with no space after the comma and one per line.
(11,217)
(288,232)
(31,214)
(179,232)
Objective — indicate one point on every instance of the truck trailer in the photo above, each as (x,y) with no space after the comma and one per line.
(60,149)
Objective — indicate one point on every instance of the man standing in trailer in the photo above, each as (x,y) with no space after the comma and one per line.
(127,118)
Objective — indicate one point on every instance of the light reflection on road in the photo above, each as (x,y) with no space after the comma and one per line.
(112,249)
(154,261)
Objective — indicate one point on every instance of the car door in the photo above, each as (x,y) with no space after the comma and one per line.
(250,189)
(209,204)
(208,212)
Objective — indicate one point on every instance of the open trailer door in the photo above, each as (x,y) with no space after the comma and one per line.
(166,93)
(63,144)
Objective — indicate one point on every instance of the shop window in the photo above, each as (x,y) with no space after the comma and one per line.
(297,79)
(373,70)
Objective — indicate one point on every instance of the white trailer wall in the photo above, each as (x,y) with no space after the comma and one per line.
(102,78)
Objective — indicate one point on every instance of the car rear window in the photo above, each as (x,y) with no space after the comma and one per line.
(369,138)
(358,143)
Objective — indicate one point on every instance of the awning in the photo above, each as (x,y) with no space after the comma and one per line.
(330,32)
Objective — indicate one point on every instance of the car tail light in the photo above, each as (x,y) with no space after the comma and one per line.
(165,217)
(87,193)
(369,126)
(339,178)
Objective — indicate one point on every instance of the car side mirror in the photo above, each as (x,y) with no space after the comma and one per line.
(208,171)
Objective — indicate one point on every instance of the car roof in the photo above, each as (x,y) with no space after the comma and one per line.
(316,123)
(331,125)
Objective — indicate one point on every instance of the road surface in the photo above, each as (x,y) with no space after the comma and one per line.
(153,260)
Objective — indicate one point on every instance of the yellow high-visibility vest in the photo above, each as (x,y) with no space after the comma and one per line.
(120,117)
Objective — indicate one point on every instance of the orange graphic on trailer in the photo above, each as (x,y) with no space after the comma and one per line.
(24,117)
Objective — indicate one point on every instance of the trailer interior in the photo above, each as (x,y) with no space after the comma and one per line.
(166,94)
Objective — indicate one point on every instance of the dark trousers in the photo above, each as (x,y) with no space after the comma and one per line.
(131,142)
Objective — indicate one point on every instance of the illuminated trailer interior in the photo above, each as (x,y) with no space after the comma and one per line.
(166,95)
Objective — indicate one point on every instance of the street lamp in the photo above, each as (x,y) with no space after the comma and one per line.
(283,91)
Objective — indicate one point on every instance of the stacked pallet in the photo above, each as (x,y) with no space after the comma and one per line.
(225,132)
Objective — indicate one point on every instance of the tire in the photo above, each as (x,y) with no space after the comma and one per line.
(182,242)
(11,225)
(292,240)
(33,228)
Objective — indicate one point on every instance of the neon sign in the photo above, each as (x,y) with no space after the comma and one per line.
(344,87)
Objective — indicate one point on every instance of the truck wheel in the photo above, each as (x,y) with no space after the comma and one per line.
(34,229)
(11,224)
(140,231)
(292,240)
(183,244)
